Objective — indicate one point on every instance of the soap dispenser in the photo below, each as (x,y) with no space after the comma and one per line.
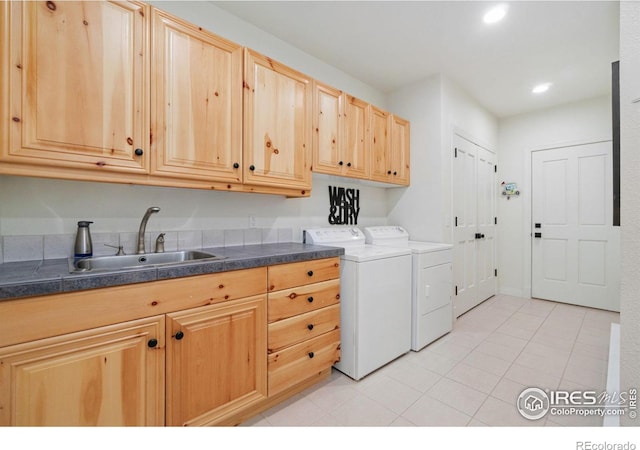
(83,247)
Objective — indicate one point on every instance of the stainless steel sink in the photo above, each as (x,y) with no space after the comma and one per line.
(94,263)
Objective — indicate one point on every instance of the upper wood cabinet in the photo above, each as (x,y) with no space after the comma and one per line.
(77,76)
(340,128)
(356,145)
(196,102)
(389,147)
(122,92)
(380,142)
(400,150)
(108,376)
(277,124)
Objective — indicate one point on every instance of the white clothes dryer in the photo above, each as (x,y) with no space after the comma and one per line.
(432,283)
(375,300)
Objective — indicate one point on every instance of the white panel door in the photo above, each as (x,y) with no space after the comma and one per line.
(575,247)
(474,205)
(486,224)
(465,212)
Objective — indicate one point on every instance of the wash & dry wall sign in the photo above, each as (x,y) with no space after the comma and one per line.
(344,206)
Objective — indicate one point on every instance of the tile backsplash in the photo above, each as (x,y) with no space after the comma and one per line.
(37,247)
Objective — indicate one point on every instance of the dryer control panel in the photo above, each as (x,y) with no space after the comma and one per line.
(340,236)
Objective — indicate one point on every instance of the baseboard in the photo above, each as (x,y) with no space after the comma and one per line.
(512,292)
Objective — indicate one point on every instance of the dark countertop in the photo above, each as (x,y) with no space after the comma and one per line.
(51,276)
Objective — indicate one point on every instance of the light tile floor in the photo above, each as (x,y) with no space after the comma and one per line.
(470,377)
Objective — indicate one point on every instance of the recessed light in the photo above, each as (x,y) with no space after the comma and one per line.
(495,14)
(539,89)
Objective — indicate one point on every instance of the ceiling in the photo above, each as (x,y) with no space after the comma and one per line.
(388,44)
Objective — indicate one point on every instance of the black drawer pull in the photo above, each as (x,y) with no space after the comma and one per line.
(311,355)
(310,299)
(152,343)
(310,273)
(310,326)
(179,335)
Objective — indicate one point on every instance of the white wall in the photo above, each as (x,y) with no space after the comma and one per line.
(419,207)
(436,107)
(33,206)
(30,206)
(630,200)
(580,122)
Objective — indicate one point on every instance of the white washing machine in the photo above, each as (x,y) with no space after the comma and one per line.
(432,283)
(375,300)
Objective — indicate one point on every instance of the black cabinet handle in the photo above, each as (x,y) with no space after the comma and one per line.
(310,326)
(478,235)
(388,172)
(340,163)
(179,335)
(252,167)
(395,173)
(482,236)
(348,164)
(139,152)
(152,343)
(311,355)
(236,165)
(310,273)
(310,299)
(538,235)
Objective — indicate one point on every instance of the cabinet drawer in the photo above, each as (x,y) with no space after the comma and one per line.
(291,302)
(302,327)
(286,276)
(297,363)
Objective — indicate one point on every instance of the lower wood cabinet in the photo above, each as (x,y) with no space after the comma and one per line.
(204,350)
(304,321)
(216,361)
(111,376)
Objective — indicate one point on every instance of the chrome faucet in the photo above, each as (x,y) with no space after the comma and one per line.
(143,227)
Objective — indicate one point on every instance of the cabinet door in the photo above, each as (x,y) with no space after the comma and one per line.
(355,144)
(399,150)
(77,88)
(277,124)
(196,102)
(112,376)
(327,144)
(216,361)
(380,145)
